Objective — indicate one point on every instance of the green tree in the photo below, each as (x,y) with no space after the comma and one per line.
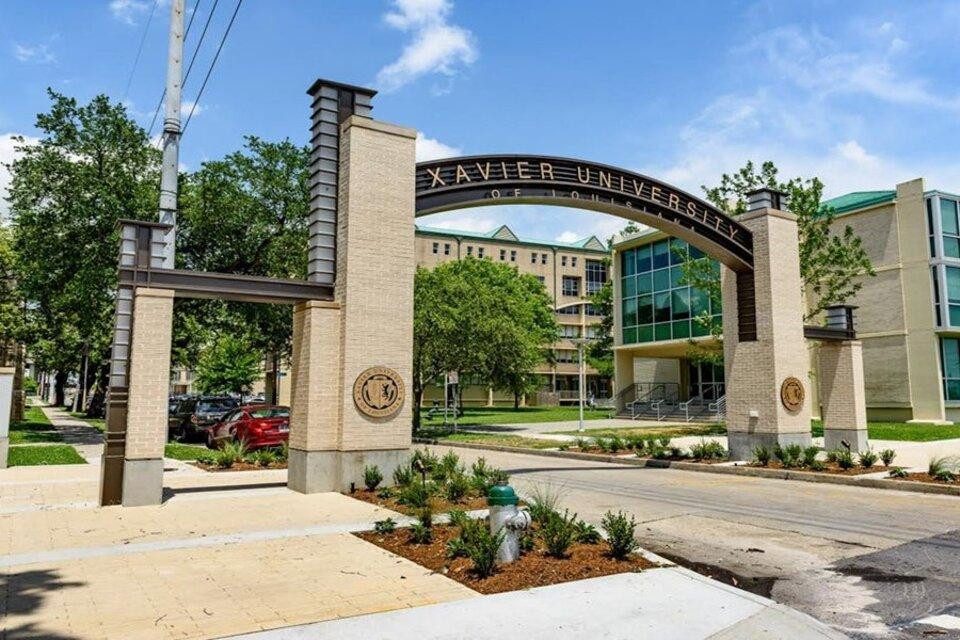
(227,365)
(92,166)
(599,352)
(481,319)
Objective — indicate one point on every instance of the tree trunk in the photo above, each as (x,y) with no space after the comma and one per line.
(59,388)
(18,401)
(272,388)
(516,401)
(417,399)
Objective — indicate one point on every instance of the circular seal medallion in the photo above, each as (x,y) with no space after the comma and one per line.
(378,392)
(791,394)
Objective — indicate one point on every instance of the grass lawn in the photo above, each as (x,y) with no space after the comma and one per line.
(97,423)
(919,432)
(490,438)
(51,454)
(35,427)
(671,430)
(179,451)
(508,415)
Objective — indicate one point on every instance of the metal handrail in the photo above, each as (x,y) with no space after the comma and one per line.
(719,407)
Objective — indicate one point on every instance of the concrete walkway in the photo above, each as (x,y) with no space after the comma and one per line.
(663,603)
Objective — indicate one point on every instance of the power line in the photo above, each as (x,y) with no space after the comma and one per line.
(143,38)
(156,111)
(212,64)
(203,34)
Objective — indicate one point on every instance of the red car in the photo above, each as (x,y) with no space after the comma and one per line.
(259,425)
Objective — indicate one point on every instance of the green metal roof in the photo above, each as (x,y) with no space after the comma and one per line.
(582,244)
(858,200)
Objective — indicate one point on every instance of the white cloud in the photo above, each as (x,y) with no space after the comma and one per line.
(432,149)
(436,47)
(128,11)
(568,236)
(39,53)
(8,154)
(187,105)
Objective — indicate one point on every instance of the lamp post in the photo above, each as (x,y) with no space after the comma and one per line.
(581,343)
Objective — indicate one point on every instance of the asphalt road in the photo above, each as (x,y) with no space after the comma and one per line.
(871,563)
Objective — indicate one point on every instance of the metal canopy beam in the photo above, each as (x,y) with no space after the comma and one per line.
(225,286)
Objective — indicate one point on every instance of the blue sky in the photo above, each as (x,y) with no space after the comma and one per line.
(862,94)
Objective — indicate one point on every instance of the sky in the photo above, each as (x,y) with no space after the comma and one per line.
(860,94)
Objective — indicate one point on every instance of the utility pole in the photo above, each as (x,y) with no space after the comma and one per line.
(171,132)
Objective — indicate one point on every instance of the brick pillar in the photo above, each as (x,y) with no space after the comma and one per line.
(6,399)
(375,264)
(842,395)
(757,369)
(149,386)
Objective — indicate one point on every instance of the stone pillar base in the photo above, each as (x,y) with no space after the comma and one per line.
(741,445)
(319,471)
(856,438)
(142,482)
(4,452)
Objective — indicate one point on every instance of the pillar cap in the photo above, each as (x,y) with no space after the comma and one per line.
(502,494)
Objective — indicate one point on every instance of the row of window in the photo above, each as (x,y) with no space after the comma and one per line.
(534,257)
(950,357)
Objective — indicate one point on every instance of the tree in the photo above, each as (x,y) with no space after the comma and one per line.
(484,320)
(92,166)
(832,265)
(227,365)
(600,350)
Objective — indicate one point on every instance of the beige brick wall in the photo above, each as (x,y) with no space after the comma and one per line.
(375,256)
(841,385)
(149,373)
(315,381)
(755,370)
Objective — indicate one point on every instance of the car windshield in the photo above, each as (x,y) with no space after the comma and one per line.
(217,404)
(270,412)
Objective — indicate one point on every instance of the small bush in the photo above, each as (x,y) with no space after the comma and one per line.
(457,487)
(420,534)
(810,455)
(414,495)
(868,458)
(265,457)
(659,452)
(945,475)
(898,472)
(283,452)
(558,532)
(386,493)
(844,459)
(481,547)
(581,443)
(794,453)
(832,455)
(427,459)
(603,444)
(620,534)
(817,465)
(887,456)
(372,477)
(543,503)
(563,446)
(664,441)
(458,517)
(229,454)
(451,463)
(762,455)
(527,542)
(587,533)
(942,463)
(425,517)
(385,526)
(708,450)
(403,475)
(616,444)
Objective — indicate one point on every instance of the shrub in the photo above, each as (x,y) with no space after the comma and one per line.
(386,493)
(945,475)
(677,452)
(420,534)
(229,454)
(264,457)
(581,443)
(427,459)
(457,487)
(887,456)
(451,463)
(794,453)
(480,468)
(372,477)
(385,526)
(527,543)
(708,450)
(832,455)
(664,441)
(762,455)
(587,533)
(563,446)
(898,472)
(817,465)
(942,463)
(868,458)
(603,444)
(543,503)
(558,532)
(616,444)
(403,475)
(844,459)
(635,443)
(414,495)
(810,456)
(481,547)
(659,451)
(458,517)
(425,517)
(620,534)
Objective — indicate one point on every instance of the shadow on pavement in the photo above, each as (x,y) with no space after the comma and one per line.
(25,592)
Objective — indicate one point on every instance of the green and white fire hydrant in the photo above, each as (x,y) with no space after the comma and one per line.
(505,515)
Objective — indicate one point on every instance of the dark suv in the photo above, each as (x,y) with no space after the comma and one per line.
(192,416)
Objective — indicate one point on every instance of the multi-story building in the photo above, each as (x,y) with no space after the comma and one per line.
(571,273)
(908,315)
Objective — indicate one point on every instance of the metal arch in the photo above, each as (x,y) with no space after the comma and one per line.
(473,181)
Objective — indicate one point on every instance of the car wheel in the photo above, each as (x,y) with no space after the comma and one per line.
(211,442)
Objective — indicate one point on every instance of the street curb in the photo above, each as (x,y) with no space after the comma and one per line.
(754,472)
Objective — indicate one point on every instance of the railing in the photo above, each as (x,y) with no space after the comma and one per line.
(653,396)
(719,407)
(685,406)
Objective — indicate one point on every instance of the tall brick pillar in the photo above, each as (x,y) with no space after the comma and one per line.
(6,400)
(758,371)
(842,395)
(149,386)
(371,324)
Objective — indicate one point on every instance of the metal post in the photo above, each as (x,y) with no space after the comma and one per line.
(171,133)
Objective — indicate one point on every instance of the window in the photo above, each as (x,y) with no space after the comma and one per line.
(936,296)
(596,275)
(543,258)
(573,261)
(503,254)
(931,231)
(541,279)
(469,249)
(479,252)
(436,247)
(655,304)
(950,357)
(533,258)
(446,249)
(572,310)
(571,286)
(566,355)
(570,331)
(591,310)
(563,261)
(949,228)
(513,256)
(953,296)
(593,330)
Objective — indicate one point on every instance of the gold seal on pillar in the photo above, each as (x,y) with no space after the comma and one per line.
(791,394)
(378,392)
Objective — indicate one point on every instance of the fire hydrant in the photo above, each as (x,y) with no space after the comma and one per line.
(505,515)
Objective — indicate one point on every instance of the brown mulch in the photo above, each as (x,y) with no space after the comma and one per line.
(238,466)
(439,503)
(832,469)
(533,569)
(924,477)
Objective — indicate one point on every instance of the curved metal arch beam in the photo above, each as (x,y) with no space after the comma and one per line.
(480,181)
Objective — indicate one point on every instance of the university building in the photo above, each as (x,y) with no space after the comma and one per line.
(571,273)
(907,316)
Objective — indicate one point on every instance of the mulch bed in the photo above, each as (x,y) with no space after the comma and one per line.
(439,504)
(533,569)
(831,469)
(924,477)
(238,466)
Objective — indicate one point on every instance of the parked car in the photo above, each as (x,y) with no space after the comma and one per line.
(193,415)
(258,425)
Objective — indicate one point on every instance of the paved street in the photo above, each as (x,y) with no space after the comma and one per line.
(871,563)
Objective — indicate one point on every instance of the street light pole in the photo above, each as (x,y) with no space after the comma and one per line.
(581,343)
(171,132)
